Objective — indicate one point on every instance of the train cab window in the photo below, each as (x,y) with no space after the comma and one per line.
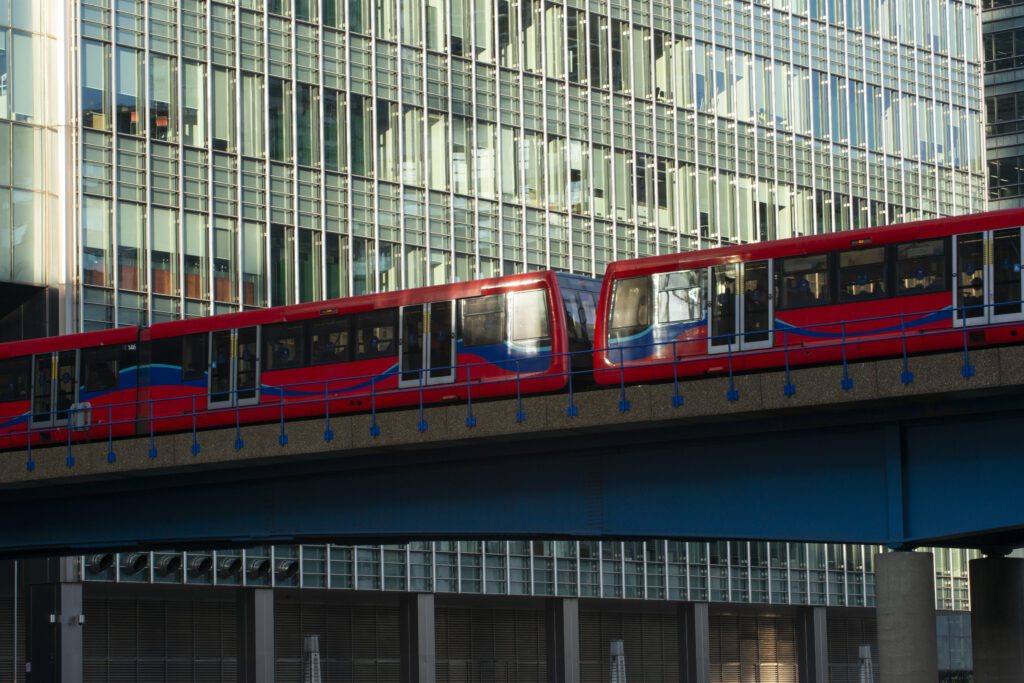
(580,315)
(283,346)
(330,340)
(15,375)
(99,368)
(194,357)
(921,267)
(483,320)
(681,296)
(862,275)
(803,281)
(530,316)
(631,307)
(375,334)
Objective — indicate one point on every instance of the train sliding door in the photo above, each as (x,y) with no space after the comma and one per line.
(234,367)
(740,310)
(987,282)
(54,387)
(428,344)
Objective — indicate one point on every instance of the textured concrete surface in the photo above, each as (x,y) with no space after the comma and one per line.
(905,588)
(818,390)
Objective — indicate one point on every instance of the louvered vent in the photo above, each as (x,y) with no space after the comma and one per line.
(650,642)
(753,648)
(846,634)
(475,645)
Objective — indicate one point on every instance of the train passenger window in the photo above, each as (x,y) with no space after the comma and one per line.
(15,375)
(330,340)
(803,281)
(375,334)
(921,267)
(194,357)
(862,275)
(631,307)
(530,316)
(681,296)
(99,368)
(283,346)
(483,320)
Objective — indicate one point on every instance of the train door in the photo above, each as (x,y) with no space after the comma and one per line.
(234,367)
(987,282)
(740,308)
(428,344)
(54,387)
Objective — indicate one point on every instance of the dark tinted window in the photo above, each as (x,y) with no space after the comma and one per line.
(631,307)
(166,352)
(803,281)
(921,267)
(194,357)
(283,346)
(530,315)
(99,368)
(15,374)
(483,320)
(330,340)
(375,334)
(862,274)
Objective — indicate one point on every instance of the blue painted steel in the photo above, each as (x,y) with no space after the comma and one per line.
(374,427)
(111,455)
(788,389)
(624,405)
(732,394)
(470,418)
(195,437)
(152,441)
(967,371)
(906,377)
(846,383)
(520,413)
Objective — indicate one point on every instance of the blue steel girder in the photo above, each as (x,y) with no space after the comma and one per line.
(901,480)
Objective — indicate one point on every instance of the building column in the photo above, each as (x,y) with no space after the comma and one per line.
(905,592)
(813,654)
(416,639)
(563,640)
(55,618)
(997,619)
(255,660)
(694,643)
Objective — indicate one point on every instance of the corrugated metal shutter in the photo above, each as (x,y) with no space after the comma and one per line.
(129,640)
(846,633)
(475,645)
(357,642)
(650,642)
(12,661)
(753,648)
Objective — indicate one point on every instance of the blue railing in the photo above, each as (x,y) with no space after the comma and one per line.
(321,392)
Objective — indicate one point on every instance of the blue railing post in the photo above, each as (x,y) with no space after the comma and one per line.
(572,410)
(422,424)
(152,440)
(788,389)
(282,438)
(967,371)
(677,397)
(623,401)
(847,382)
(732,394)
(111,456)
(906,377)
(374,427)
(195,438)
(470,418)
(328,432)
(30,464)
(239,443)
(70,460)
(520,413)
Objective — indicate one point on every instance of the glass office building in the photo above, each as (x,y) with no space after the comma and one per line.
(1003,22)
(187,157)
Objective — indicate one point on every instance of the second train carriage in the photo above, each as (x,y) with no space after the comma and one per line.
(808,300)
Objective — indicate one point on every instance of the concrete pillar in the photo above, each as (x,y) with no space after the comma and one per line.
(563,640)
(694,643)
(997,619)
(813,653)
(255,660)
(416,639)
(905,592)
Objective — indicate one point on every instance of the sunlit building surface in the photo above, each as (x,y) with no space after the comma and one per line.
(1003,22)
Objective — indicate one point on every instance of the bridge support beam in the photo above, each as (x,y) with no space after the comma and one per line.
(694,642)
(419,663)
(905,589)
(997,619)
(563,640)
(255,658)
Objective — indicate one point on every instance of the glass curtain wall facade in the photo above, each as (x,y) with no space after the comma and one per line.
(1003,23)
(261,152)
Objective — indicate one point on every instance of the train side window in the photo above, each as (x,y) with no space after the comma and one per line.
(530,316)
(166,352)
(862,274)
(283,346)
(631,307)
(99,368)
(803,281)
(921,267)
(15,376)
(681,296)
(483,320)
(330,340)
(194,357)
(375,334)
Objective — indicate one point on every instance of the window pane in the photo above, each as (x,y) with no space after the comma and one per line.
(15,374)
(130,247)
(129,79)
(530,315)
(194,106)
(483,320)
(164,226)
(804,281)
(330,340)
(283,346)
(252,115)
(96,242)
(862,274)
(223,110)
(375,334)
(631,307)
(99,369)
(95,88)
(681,296)
(224,258)
(163,100)
(196,274)
(253,283)
(921,267)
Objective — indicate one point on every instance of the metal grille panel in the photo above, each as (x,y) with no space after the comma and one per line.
(846,635)
(490,645)
(650,641)
(753,648)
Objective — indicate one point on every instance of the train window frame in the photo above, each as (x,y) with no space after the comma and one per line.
(335,324)
(637,324)
(383,318)
(195,359)
(467,333)
(9,390)
(96,372)
(943,278)
(828,270)
(841,270)
(271,337)
(526,300)
(663,301)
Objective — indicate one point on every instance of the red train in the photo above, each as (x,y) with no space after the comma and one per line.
(497,336)
(809,299)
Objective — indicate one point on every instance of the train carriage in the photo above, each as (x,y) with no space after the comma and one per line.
(864,293)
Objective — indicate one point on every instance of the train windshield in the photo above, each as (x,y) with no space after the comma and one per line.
(631,307)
